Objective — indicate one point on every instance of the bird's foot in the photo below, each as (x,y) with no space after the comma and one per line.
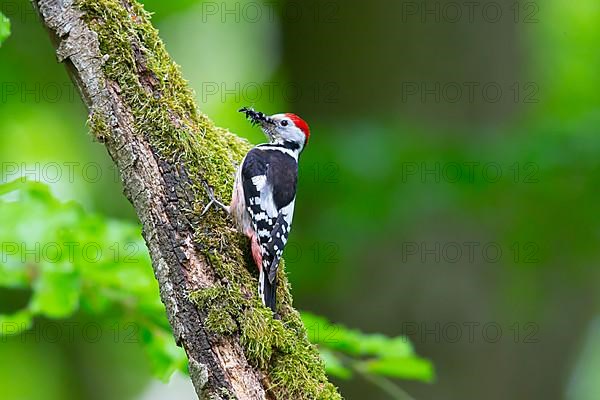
(213,200)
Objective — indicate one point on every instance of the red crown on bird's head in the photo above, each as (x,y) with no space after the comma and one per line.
(300,124)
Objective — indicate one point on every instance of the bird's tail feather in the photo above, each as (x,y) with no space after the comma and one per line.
(267,290)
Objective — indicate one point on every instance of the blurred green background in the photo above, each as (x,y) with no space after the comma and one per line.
(449,191)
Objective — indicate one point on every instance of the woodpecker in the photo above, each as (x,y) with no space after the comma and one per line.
(264,193)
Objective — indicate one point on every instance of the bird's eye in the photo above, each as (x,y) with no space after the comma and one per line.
(284,123)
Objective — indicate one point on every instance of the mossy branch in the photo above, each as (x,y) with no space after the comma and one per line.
(143,111)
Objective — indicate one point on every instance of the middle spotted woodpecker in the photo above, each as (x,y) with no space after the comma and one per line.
(264,193)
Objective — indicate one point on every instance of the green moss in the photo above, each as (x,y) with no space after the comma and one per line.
(221,307)
(261,336)
(163,110)
(290,374)
(209,296)
(98,126)
(220,322)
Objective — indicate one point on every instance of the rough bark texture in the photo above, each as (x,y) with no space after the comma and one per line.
(223,362)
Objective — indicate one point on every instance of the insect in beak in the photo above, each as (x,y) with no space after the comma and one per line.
(257,117)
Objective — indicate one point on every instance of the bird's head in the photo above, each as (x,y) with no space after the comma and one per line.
(286,129)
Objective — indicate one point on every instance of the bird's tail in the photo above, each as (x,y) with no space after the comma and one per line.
(267,290)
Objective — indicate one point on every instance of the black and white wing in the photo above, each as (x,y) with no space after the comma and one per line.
(269,178)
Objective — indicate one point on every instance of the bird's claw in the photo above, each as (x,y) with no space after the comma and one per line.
(213,200)
(211,196)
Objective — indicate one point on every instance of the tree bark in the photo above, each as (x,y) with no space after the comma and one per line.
(143,112)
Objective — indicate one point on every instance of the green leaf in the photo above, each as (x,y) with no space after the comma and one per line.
(16,323)
(354,342)
(72,260)
(9,186)
(388,356)
(13,274)
(4,28)
(381,345)
(404,367)
(318,328)
(333,365)
(56,292)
